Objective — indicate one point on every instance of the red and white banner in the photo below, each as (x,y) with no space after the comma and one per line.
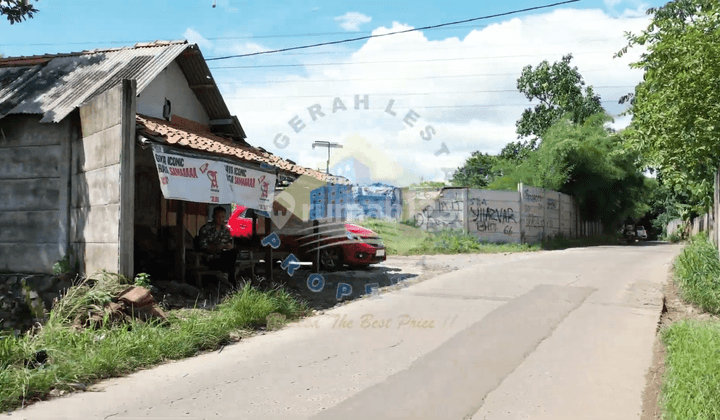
(198,179)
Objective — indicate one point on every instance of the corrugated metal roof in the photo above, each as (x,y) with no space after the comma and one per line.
(55,84)
(196,71)
(66,81)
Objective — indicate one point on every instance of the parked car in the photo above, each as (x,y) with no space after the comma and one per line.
(356,247)
(641,233)
(630,233)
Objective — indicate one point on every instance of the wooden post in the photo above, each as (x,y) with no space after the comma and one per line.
(316,261)
(269,253)
(127,180)
(254,235)
(180,252)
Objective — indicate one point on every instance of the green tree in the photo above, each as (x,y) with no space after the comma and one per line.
(17,10)
(559,88)
(675,108)
(589,162)
(477,172)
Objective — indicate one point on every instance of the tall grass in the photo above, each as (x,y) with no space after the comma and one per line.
(691,387)
(459,242)
(405,239)
(399,238)
(697,272)
(88,355)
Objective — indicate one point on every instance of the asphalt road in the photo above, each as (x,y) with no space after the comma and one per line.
(549,335)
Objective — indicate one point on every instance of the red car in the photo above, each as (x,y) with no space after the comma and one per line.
(357,246)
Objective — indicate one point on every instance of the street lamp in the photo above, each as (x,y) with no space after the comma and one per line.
(327,170)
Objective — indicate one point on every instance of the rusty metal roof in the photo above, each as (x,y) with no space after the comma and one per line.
(189,137)
(55,84)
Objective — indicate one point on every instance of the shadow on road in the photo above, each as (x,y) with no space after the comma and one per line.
(340,286)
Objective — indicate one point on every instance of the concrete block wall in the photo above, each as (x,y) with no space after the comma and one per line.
(525,216)
(102,162)
(494,216)
(534,207)
(568,216)
(447,212)
(34,179)
(552,213)
(414,200)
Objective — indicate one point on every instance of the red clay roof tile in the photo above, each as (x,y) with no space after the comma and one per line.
(213,143)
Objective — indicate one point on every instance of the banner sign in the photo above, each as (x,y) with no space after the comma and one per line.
(202,180)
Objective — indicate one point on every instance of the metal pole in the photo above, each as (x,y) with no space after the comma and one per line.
(327,170)
(327,177)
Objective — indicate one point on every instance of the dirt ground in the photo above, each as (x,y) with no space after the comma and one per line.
(674,310)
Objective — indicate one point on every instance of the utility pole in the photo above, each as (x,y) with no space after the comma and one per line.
(327,168)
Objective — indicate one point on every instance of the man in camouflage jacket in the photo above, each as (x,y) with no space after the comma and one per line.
(216,241)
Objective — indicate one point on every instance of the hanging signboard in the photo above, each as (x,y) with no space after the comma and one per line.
(191,177)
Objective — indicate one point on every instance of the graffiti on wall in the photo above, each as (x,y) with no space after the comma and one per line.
(528,215)
(494,216)
(441,215)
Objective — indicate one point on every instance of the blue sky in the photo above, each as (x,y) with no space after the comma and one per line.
(460,80)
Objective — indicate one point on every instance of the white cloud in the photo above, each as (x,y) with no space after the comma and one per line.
(194,37)
(240,48)
(351,21)
(464,88)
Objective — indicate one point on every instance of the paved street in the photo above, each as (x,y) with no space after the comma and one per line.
(549,335)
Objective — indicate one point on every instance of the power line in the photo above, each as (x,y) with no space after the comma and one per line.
(216,38)
(454,48)
(472,106)
(342,41)
(397,61)
(400,94)
(387,78)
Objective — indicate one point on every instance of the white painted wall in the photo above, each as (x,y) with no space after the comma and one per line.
(171,84)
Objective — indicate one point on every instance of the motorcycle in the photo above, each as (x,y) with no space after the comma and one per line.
(629,234)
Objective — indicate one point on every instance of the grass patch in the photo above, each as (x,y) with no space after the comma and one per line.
(697,270)
(88,355)
(405,239)
(691,388)
(399,238)
(458,242)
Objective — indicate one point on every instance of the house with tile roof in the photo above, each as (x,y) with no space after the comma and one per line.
(103,150)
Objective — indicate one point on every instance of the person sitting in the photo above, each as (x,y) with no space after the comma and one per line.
(216,242)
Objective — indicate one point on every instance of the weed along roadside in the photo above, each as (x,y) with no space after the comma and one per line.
(70,352)
(690,337)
